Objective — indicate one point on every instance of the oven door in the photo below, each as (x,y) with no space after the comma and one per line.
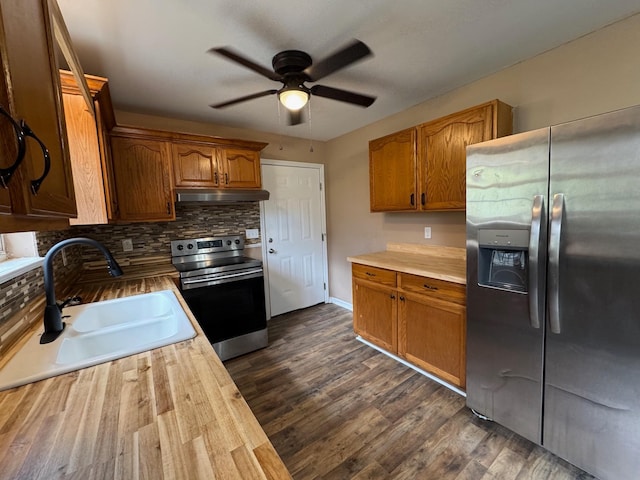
(230,309)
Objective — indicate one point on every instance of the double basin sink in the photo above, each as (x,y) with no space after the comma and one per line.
(100,332)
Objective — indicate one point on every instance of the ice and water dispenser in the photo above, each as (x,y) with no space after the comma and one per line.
(503,259)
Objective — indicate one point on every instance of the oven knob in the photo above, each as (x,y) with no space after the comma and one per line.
(237,242)
(189,246)
(180,247)
(228,242)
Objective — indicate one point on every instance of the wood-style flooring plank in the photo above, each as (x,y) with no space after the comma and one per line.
(336,409)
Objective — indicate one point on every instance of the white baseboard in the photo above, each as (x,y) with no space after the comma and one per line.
(419,370)
(341,303)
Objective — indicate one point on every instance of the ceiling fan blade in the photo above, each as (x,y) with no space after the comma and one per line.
(295,117)
(243,99)
(342,95)
(349,54)
(236,57)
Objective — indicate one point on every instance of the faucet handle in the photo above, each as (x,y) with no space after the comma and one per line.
(69,301)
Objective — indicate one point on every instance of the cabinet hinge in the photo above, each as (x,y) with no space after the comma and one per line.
(324,286)
(320,186)
(323,237)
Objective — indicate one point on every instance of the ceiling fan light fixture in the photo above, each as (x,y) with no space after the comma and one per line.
(293,98)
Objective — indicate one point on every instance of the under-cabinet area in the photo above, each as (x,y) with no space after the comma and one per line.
(414,307)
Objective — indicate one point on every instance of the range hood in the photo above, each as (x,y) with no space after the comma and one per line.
(222,196)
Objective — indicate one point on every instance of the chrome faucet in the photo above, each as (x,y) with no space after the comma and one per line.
(53,324)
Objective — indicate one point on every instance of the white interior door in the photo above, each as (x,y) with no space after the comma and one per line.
(293,235)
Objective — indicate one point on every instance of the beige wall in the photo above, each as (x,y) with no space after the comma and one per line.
(594,74)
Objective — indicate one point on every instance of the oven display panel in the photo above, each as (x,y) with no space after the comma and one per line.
(210,244)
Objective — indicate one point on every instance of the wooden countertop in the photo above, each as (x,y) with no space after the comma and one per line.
(173,412)
(441,263)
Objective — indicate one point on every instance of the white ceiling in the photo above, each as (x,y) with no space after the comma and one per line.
(154,52)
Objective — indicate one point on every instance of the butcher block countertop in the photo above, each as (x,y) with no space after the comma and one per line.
(173,412)
(441,263)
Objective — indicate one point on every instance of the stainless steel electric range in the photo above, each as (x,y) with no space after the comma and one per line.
(225,291)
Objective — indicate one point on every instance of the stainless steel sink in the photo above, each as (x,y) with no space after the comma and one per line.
(100,332)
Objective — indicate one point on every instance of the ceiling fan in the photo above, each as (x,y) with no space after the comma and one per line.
(293,68)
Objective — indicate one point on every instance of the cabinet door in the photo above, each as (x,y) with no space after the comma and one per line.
(194,166)
(241,168)
(392,172)
(90,149)
(32,78)
(443,156)
(142,178)
(432,336)
(375,314)
(84,148)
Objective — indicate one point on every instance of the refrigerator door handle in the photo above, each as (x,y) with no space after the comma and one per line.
(537,213)
(557,214)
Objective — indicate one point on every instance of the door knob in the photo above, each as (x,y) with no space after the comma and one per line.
(271,250)
(270,240)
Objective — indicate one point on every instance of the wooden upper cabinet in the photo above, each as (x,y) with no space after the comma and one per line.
(195,165)
(90,149)
(443,152)
(211,166)
(439,158)
(32,95)
(143,179)
(392,172)
(240,168)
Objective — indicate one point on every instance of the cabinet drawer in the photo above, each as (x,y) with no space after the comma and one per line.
(374,274)
(449,291)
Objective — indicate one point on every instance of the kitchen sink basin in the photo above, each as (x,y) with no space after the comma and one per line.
(119,311)
(100,332)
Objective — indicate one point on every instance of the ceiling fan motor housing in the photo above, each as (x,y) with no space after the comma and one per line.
(290,61)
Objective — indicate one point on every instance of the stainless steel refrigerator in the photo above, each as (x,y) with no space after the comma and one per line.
(553,289)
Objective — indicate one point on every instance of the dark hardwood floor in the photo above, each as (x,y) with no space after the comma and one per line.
(335,408)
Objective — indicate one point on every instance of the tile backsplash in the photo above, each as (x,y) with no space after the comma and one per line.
(18,292)
(154,239)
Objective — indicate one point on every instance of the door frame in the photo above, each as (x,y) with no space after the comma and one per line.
(323,219)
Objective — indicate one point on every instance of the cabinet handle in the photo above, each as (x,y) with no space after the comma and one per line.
(401,298)
(226,179)
(392,296)
(426,285)
(35,184)
(215,177)
(168,208)
(370,274)
(423,198)
(413,199)
(7,173)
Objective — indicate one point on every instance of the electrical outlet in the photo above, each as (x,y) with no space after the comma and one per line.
(427,232)
(127,245)
(252,233)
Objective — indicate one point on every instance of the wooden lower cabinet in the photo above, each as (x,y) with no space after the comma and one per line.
(375,318)
(431,335)
(420,319)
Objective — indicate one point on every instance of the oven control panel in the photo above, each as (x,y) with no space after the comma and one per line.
(207,245)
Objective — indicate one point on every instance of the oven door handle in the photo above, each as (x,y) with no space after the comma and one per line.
(191,281)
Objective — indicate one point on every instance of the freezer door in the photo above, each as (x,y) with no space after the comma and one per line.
(592,373)
(507,187)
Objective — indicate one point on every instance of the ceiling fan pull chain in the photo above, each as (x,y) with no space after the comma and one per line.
(310,140)
(280,147)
